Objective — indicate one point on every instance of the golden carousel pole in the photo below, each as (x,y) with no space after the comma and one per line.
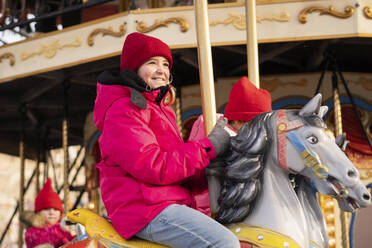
(206,83)
(179,114)
(66,189)
(65,164)
(205,65)
(22,175)
(338,132)
(252,50)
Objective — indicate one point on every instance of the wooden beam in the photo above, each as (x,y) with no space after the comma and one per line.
(267,56)
(89,80)
(278,50)
(35,92)
(234,49)
(95,67)
(288,62)
(50,75)
(317,56)
(190,59)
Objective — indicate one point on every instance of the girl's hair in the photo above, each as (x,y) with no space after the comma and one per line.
(171,97)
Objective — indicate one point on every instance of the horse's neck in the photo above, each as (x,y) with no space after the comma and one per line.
(315,220)
(278,208)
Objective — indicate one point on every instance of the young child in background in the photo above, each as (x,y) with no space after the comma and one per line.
(45,225)
(246,101)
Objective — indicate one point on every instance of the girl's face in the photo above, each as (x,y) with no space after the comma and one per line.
(51,215)
(155,72)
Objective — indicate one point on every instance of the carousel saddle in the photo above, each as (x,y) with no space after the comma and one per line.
(102,232)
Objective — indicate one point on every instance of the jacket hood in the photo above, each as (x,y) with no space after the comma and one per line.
(106,95)
(110,88)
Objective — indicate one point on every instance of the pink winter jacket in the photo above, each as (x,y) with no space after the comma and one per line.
(145,164)
(51,234)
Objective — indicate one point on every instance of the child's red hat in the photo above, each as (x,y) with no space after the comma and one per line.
(246,101)
(138,48)
(48,198)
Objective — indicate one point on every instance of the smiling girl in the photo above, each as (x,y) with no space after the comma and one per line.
(146,167)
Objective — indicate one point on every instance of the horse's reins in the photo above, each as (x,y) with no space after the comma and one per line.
(286,130)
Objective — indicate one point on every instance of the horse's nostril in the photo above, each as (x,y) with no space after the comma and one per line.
(366,197)
(351,173)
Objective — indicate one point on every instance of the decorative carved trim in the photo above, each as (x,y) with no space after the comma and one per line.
(50,50)
(239,22)
(108,31)
(184,25)
(282,17)
(348,12)
(9,56)
(367,12)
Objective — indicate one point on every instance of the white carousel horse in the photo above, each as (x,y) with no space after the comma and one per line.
(257,193)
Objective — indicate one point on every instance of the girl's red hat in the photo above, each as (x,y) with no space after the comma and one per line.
(138,48)
(48,198)
(246,101)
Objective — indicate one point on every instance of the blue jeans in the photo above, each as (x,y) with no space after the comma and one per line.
(180,226)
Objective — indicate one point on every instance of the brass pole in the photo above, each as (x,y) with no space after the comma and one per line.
(37,173)
(178,114)
(339,131)
(205,65)
(38,163)
(22,177)
(252,50)
(46,170)
(21,192)
(65,164)
(337,112)
(206,85)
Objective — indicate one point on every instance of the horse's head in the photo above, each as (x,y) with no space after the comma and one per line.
(307,147)
(299,142)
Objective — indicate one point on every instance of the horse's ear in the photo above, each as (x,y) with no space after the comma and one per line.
(312,107)
(323,110)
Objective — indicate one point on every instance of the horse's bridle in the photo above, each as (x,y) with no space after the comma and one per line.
(286,130)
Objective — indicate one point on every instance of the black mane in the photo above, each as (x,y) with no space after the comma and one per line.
(242,182)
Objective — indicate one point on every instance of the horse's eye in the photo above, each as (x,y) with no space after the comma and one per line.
(312,139)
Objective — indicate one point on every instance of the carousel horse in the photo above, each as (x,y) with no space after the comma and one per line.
(258,200)
(258,195)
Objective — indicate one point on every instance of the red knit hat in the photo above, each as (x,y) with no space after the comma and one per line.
(246,101)
(138,48)
(48,198)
